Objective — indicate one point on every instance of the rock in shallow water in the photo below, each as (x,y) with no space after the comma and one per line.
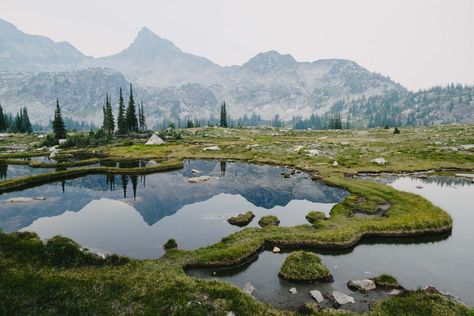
(276,250)
(341,298)
(317,295)
(293,290)
(361,285)
(26,199)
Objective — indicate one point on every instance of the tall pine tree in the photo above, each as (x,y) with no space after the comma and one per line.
(121,120)
(25,122)
(131,114)
(59,128)
(223,121)
(141,117)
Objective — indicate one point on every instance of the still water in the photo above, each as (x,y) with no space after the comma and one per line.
(446,262)
(136,215)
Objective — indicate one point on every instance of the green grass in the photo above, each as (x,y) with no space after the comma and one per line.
(315,216)
(386,280)
(269,220)
(304,266)
(34,283)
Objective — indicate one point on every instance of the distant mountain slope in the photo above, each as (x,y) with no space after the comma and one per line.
(24,52)
(173,84)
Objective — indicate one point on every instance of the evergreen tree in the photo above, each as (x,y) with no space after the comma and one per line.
(108,122)
(3,122)
(121,122)
(131,116)
(25,122)
(223,121)
(141,117)
(58,123)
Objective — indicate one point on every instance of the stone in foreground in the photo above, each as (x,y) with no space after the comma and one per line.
(361,285)
(276,250)
(341,298)
(317,295)
(293,290)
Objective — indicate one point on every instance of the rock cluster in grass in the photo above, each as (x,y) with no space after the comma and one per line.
(304,266)
(241,220)
(269,220)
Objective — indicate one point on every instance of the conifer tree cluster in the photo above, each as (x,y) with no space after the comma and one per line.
(121,123)
(18,124)
(141,118)
(108,123)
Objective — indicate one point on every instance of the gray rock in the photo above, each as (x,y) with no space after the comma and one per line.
(155,140)
(341,298)
(201,179)
(26,199)
(364,285)
(379,161)
(317,295)
(293,290)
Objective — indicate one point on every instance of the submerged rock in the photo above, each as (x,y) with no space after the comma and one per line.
(293,290)
(276,250)
(195,171)
(26,199)
(248,288)
(361,285)
(317,295)
(341,298)
(201,179)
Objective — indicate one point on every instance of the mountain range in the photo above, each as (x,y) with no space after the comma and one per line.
(172,84)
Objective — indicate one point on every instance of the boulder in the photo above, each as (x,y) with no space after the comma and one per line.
(335,164)
(248,288)
(361,285)
(467,147)
(155,140)
(293,290)
(379,161)
(276,250)
(195,171)
(317,295)
(62,141)
(211,148)
(341,298)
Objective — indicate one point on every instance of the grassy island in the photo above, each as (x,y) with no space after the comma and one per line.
(304,266)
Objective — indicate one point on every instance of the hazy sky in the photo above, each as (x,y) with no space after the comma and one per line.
(418,43)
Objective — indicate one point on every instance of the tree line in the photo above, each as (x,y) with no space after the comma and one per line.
(128,120)
(20,123)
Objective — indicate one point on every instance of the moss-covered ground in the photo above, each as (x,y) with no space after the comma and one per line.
(161,287)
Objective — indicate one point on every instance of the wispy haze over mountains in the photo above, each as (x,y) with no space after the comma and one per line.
(173,84)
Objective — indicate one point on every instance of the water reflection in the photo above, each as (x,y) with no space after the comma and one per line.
(169,205)
(442,260)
